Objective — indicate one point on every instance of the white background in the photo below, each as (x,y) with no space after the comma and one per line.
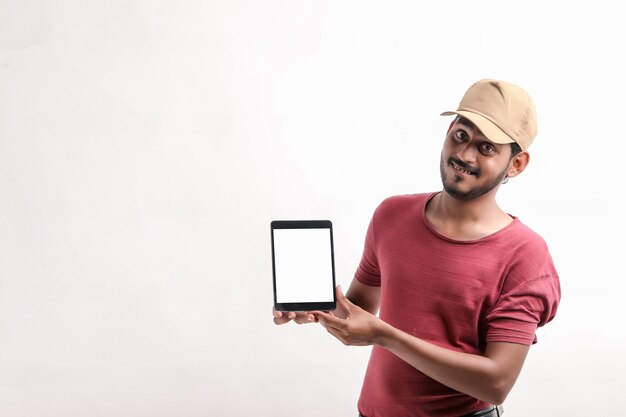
(145,146)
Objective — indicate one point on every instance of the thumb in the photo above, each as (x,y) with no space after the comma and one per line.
(342,299)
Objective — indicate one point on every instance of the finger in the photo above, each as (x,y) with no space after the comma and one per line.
(315,315)
(281,320)
(342,299)
(282,317)
(328,320)
(283,314)
(304,318)
(319,317)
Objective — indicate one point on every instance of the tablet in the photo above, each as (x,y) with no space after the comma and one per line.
(303,265)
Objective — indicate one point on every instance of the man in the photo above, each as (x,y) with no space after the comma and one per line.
(461,285)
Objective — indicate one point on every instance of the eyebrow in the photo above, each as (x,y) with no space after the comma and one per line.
(463,121)
(467,124)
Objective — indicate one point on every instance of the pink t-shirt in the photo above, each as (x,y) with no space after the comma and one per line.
(455,294)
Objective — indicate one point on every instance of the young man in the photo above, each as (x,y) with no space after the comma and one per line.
(462,286)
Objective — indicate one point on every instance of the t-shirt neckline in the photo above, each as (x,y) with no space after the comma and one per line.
(434,231)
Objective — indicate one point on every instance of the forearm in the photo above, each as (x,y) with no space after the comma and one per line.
(364,296)
(486,378)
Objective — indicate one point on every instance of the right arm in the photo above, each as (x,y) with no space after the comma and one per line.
(365,296)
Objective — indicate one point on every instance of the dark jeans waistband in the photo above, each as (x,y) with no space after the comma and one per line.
(493,411)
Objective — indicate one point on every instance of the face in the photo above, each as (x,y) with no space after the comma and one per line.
(471,165)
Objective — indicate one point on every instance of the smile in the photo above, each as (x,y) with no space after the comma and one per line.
(460,169)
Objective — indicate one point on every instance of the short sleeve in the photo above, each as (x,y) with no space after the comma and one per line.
(519,312)
(368,271)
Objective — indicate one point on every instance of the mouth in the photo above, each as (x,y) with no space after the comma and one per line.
(457,167)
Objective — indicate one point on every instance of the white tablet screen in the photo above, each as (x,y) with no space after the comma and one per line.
(303,263)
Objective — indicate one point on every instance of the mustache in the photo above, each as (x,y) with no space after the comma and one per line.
(465,166)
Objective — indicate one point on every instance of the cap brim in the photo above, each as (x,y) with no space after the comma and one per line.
(486,126)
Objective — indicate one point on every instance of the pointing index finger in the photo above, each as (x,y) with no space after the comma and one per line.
(327,319)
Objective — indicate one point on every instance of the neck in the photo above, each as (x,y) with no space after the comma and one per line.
(479,209)
(466,220)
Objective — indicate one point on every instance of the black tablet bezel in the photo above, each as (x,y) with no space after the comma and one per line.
(304,224)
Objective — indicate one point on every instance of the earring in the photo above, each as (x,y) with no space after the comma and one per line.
(505,180)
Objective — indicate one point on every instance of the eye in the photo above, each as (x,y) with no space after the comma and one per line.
(487,148)
(460,135)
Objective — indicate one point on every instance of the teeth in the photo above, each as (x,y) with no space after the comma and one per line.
(458,168)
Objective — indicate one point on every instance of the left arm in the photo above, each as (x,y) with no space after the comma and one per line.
(488,377)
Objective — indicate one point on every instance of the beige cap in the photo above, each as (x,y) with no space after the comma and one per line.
(504,112)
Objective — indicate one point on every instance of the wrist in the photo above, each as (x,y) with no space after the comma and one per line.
(383,335)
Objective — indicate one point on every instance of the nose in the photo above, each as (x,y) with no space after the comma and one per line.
(467,152)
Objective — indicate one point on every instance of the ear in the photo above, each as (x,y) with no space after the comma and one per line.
(518,164)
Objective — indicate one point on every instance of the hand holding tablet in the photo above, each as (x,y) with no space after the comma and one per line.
(303,268)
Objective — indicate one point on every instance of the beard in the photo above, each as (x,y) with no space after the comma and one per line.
(451,186)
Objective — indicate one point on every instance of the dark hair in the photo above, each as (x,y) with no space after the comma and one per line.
(515,149)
